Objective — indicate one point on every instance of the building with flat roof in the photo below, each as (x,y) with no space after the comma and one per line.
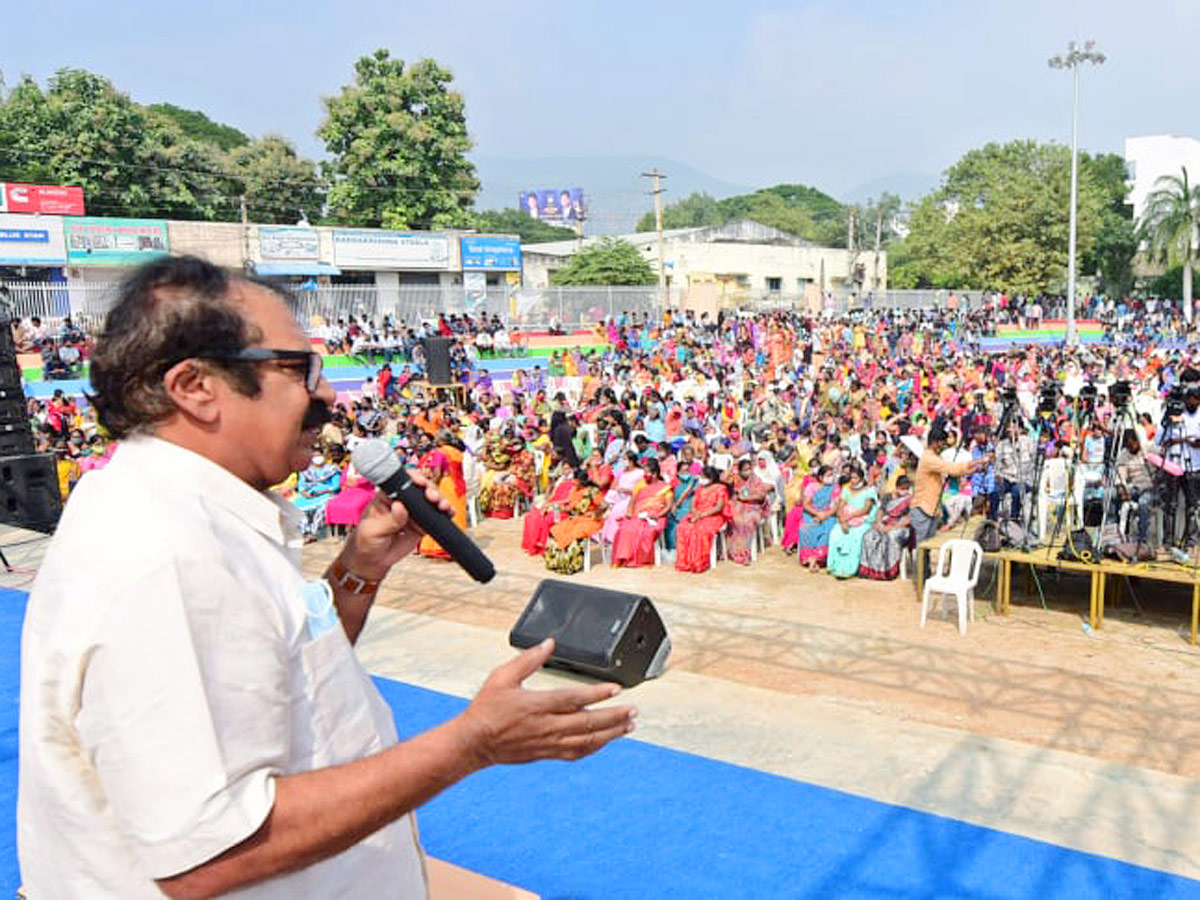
(714,267)
(1151,156)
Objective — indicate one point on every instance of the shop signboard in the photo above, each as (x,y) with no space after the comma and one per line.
(360,248)
(115,242)
(491,253)
(41,199)
(31,241)
(288,243)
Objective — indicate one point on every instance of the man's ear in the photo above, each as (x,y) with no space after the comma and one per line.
(193,386)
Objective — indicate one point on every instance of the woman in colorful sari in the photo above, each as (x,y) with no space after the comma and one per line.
(819,506)
(686,481)
(442,469)
(749,505)
(546,512)
(599,472)
(620,494)
(633,545)
(856,513)
(508,474)
(699,528)
(315,487)
(568,539)
(795,493)
(345,509)
(884,544)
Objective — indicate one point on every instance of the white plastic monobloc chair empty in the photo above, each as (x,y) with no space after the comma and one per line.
(957,573)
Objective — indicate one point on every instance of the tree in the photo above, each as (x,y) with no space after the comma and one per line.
(160,162)
(279,186)
(1116,233)
(694,211)
(398,137)
(199,127)
(1169,226)
(795,208)
(515,221)
(83,131)
(608,261)
(999,220)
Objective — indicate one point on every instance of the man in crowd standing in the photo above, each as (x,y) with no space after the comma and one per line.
(193,718)
(932,471)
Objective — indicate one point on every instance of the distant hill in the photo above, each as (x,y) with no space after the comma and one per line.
(908,187)
(617,196)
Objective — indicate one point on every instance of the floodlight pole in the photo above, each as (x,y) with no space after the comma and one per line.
(1072,60)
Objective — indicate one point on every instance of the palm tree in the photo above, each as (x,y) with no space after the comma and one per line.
(1169,224)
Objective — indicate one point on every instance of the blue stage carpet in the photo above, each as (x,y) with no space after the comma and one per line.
(640,821)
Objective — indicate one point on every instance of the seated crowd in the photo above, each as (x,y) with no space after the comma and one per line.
(693,439)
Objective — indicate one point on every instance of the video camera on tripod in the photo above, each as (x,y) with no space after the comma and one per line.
(1175,406)
(1047,398)
(1120,393)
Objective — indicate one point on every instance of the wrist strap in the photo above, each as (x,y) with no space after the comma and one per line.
(341,577)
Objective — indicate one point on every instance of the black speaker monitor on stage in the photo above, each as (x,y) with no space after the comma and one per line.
(610,635)
(437,360)
(29,496)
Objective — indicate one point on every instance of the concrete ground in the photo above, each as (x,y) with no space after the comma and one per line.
(1027,724)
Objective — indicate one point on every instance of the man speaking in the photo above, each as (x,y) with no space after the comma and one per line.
(193,719)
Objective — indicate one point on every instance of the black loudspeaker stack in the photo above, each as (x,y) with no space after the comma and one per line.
(29,496)
(437,360)
(610,635)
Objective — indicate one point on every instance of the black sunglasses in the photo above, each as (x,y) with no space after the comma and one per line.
(314,365)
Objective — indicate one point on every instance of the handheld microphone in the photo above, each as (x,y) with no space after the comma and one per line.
(376,462)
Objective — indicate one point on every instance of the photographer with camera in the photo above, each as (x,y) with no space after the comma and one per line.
(1016,461)
(1181,446)
(1135,482)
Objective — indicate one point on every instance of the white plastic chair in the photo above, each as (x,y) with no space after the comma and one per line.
(595,542)
(957,573)
(715,552)
(1129,511)
(1052,493)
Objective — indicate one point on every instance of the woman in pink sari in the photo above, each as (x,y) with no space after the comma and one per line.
(545,513)
(625,485)
(633,545)
(346,508)
(749,508)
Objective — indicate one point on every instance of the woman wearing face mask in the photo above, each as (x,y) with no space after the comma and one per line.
(633,544)
(685,485)
(749,507)
(698,529)
(885,543)
(315,487)
(818,509)
(855,515)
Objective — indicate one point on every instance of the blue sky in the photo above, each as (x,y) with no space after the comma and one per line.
(834,94)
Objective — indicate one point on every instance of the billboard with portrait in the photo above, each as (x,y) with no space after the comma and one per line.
(556,206)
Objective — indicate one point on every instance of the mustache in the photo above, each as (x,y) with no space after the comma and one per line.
(317,415)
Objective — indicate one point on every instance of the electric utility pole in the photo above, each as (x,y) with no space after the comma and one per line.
(662,272)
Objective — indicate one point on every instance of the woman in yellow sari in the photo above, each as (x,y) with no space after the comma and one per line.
(585,517)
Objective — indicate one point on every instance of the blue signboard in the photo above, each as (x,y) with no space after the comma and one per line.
(503,254)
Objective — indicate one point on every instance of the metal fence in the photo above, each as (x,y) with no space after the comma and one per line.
(570,307)
(87,303)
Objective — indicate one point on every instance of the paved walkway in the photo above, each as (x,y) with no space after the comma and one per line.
(1026,724)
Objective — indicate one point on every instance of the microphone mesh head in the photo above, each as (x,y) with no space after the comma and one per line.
(375,461)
